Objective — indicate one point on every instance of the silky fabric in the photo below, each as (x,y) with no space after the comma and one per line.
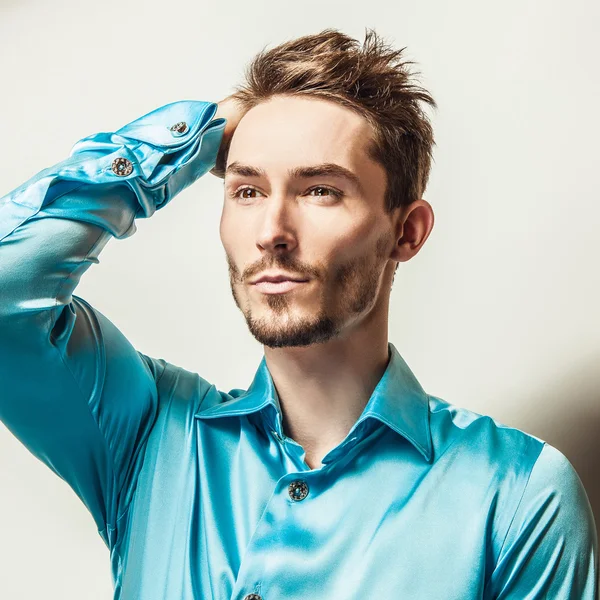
(197,492)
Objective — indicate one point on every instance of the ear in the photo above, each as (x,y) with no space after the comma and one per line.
(414,224)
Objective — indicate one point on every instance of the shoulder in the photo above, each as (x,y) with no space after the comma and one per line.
(486,441)
(539,503)
(505,461)
(554,487)
(180,387)
(520,467)
(551,542)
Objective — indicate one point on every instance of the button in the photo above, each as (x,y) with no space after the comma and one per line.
(122,166)
(252,597)
(180,128)
(298,490)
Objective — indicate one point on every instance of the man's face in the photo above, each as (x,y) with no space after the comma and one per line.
(294,223)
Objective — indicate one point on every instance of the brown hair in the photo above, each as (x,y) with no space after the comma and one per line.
(374,81)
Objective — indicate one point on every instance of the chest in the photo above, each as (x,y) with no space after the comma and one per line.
(224,513)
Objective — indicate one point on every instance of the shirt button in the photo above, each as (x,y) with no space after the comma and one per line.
(252,597)
(298,490)
(180,128)
(122,166)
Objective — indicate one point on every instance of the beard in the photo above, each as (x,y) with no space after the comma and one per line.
(353,290)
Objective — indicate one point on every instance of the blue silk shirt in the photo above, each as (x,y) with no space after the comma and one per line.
(197,492)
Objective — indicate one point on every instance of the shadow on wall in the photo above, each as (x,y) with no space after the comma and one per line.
(576,430)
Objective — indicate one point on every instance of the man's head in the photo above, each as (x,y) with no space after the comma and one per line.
(323,181)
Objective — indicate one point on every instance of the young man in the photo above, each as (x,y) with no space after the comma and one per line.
(334,475)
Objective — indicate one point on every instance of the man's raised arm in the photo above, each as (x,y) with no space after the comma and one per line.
(73,390)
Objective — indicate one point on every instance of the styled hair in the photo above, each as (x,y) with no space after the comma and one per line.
(372,80)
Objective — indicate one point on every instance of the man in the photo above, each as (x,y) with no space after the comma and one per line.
(334,475)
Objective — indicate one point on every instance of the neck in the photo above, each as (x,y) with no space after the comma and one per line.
(324,388)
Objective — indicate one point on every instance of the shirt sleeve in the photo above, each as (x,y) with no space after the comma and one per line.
(73,390)
(551,548)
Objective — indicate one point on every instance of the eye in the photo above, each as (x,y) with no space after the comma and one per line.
(332,192)
(237,193)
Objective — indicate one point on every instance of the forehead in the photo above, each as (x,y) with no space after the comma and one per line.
(285,131)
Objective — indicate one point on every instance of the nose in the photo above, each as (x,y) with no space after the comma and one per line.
(277,231)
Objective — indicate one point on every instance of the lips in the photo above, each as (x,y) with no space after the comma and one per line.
(280,287)
(278,279)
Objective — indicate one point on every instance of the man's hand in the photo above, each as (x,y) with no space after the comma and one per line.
(230,109)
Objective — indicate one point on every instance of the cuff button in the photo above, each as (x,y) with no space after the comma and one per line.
(180,128)
(122,167)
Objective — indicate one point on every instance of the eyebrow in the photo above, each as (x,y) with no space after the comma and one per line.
(322,169)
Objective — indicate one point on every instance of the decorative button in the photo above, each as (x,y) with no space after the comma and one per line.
(298,490)
(180,128)
(252,597)
(122,166)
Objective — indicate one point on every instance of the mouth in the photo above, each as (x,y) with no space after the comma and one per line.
(278,287)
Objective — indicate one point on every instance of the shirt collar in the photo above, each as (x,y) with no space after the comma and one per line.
(398,400)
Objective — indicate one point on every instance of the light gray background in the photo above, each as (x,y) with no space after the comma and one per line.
(497,313)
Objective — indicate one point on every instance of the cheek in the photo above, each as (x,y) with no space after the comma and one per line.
(222,227)
(340,245)
(232,233)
